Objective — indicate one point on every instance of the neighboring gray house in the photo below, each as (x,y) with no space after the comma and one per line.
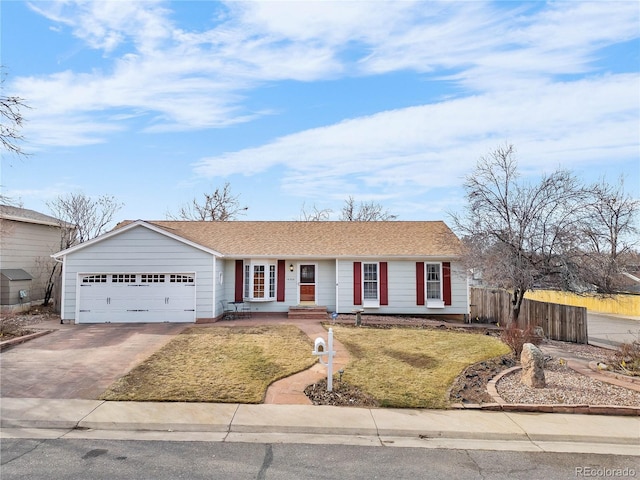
(182,271)
(27,241)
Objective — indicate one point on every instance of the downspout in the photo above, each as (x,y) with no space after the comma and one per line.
(468,314)
(337,287)
(63,274)
(214,292)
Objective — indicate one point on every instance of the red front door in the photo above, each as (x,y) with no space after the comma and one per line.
(307,283)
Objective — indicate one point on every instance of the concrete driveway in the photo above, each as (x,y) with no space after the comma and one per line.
(79,361)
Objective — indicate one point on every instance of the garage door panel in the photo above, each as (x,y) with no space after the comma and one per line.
(117,301)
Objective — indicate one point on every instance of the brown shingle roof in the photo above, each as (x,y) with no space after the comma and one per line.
(319,239)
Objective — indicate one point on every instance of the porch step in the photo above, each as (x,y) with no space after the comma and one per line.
(302,312)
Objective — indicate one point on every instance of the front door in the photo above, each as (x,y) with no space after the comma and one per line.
(307,283)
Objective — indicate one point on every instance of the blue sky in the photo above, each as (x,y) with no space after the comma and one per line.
(308,103)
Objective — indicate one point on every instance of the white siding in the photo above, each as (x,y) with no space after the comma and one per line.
(227,290)
(459,290)
(325,290)
(140,250)
(401,275)
(221,280)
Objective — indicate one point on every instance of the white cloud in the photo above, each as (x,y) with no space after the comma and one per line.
(436,145)
(43,195)
(106,25)
(170,78)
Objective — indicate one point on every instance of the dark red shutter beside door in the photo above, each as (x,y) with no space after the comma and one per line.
(419,283)
(238,281)
(357,283)
(384,284)
(446,282)
(282,271)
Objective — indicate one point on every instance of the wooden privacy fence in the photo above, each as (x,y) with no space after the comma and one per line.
(559,322)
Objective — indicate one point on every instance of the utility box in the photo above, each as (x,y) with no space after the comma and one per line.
(15,285)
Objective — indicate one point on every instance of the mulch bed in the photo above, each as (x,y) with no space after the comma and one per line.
(471,384)
(343,395)
(19,324)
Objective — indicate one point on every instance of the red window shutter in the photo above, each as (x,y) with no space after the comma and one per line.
(357,283)
(384,285)
(281,281)
(239,282)
(419,283)
(446,282)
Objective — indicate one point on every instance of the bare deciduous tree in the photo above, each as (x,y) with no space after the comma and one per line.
(610,233)
(520,235)
(81,218)
(315,215)
(89,217)
(364,212)
(218,206)
(5,200)
(11,120)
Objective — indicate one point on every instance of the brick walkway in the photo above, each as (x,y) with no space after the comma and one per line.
(290,390)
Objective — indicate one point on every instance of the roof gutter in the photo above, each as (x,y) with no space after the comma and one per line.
(339,257)
(37,222)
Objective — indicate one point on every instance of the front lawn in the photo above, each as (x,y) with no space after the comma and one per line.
(407,367)
(217,364)
(400,367)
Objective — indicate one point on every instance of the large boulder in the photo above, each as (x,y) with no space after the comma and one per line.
(532,361)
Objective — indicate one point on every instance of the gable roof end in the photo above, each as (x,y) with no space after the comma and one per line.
(130,226)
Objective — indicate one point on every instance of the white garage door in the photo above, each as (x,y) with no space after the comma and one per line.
(137,298)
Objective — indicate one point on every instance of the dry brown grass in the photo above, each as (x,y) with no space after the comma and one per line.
(400,367)
(217,364)
(413,368)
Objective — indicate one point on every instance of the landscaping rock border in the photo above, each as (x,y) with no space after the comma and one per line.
(25,338)
(501,405)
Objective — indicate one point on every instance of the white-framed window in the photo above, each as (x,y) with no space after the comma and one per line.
(123,278)
(94,279)
(247,279)
(370,284)
(272,281)
(177,278)
(433,283)
(259,280)
(152,278)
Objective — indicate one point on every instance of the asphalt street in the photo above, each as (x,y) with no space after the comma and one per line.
(164,460)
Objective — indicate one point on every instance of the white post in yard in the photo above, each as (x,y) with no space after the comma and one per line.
(320,350)
(330,361)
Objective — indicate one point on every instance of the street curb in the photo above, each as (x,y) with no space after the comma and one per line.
(160,416)
(347,431)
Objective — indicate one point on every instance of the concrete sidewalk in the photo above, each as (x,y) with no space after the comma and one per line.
(320,424)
